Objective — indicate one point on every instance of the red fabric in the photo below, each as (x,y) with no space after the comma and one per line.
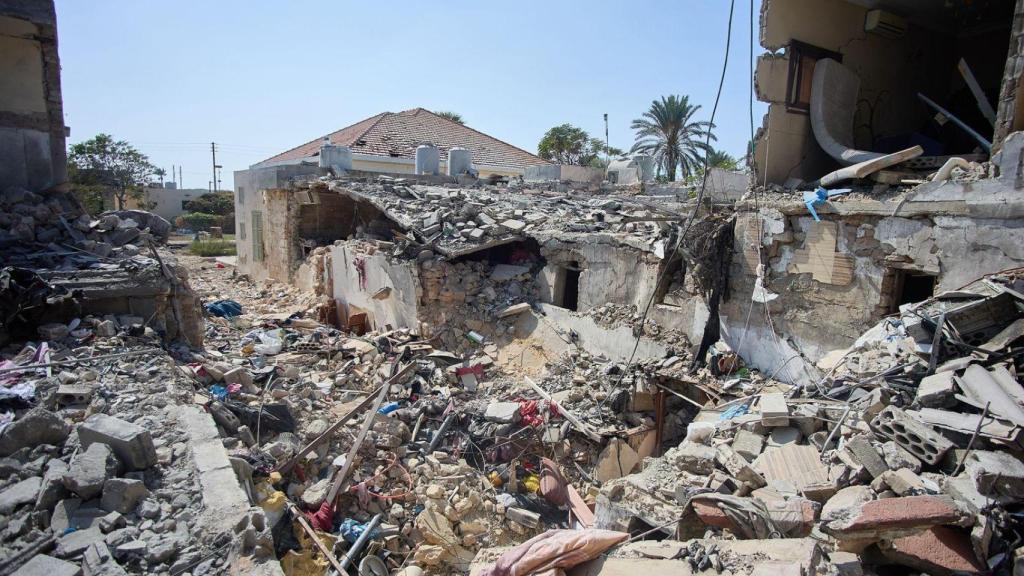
(552,483)
(529,413)
(322,519)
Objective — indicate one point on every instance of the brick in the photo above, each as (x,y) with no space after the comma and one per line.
(895,517)
(939,550)
(132,443)
(774,410)
(712,515)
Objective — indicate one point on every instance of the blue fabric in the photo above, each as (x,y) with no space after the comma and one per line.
(351,530)
(224,308)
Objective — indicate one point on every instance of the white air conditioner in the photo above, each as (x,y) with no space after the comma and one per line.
(885,24)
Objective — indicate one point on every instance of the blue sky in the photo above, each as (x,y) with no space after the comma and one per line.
(259,77)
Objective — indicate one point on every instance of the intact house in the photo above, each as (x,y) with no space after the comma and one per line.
(852,211)
(388,142)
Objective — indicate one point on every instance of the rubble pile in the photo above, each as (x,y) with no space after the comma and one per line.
(453,218)
(907,453)
(55,222)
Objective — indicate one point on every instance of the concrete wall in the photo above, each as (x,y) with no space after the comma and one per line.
(563,172)
(398,310)
(261,189)
(31,112)
(726,185)
(167,202)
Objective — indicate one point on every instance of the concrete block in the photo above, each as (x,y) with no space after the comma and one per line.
(864,453)
(738,467)
(897,457)
(75,543)
(35,427)
(694,458)
(921,440)
(937,390)
(846,502)
(90,469)
(903,482)
(774,410)
(513,226)
(502,412)
(748,444)
(43,565)
(132,444)
(784,435)
(996,473)
(122,494)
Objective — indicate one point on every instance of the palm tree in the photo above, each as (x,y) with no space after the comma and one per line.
(668,132)
(449,115)
(722,159)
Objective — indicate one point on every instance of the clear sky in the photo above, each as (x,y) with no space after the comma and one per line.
(259,77)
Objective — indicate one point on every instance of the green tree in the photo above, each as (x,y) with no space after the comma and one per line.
(567,144)
(668,132)
(220,203)
(108,163)
(722,159)
(449,115)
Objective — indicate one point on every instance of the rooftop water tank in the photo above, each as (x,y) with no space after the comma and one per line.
(460,161)
(338,158)
(428,159)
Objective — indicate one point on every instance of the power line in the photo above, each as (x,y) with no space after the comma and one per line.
(700,195)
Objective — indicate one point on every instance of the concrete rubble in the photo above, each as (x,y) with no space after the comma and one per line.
(285,444)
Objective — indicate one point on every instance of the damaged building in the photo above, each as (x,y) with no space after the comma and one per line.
(439,354)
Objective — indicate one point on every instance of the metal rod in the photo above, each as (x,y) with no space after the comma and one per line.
(360,542)
(828,439)
(970,131)
(441,432)
(77,360)
(974,437)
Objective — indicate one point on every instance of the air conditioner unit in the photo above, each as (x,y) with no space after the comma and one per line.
(885,24)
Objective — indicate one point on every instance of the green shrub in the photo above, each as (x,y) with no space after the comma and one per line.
(212,248)
(198,221)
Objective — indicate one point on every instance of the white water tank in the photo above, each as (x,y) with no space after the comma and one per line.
(460,161)
(428,159)
(338,158)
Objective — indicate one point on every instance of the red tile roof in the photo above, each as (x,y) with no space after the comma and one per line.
(398,134)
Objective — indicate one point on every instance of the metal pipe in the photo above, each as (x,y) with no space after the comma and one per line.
(360,542)
(441,432)
(828,439)
(970,131)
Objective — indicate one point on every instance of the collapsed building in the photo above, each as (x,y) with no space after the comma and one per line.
(423,372)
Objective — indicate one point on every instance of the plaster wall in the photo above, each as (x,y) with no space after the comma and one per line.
(399,310)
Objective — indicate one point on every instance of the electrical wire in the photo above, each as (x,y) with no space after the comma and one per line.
(697,203)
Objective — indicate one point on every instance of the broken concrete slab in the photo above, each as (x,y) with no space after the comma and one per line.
(939,550)
(502,412)
(133,444)
(937,390)
(90,469)
(19,494)
(748,444)
(616,460)
(797,465)
(894,517)
(694,458)
(35,427)
(44,565)
(846,502)
(996,473)
(73,544)
(122,494)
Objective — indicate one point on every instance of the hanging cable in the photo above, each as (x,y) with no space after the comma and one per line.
(697,203)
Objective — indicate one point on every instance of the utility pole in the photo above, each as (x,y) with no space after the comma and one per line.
(607,143)
(213,152)
(180,183)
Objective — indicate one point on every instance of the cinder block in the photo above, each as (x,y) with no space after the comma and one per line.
(132,444)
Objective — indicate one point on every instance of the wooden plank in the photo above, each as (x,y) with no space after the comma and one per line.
(979,95)
(868,167)
(578,508)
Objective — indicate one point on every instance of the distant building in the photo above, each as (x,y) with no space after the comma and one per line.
(168,203)
(387,143)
